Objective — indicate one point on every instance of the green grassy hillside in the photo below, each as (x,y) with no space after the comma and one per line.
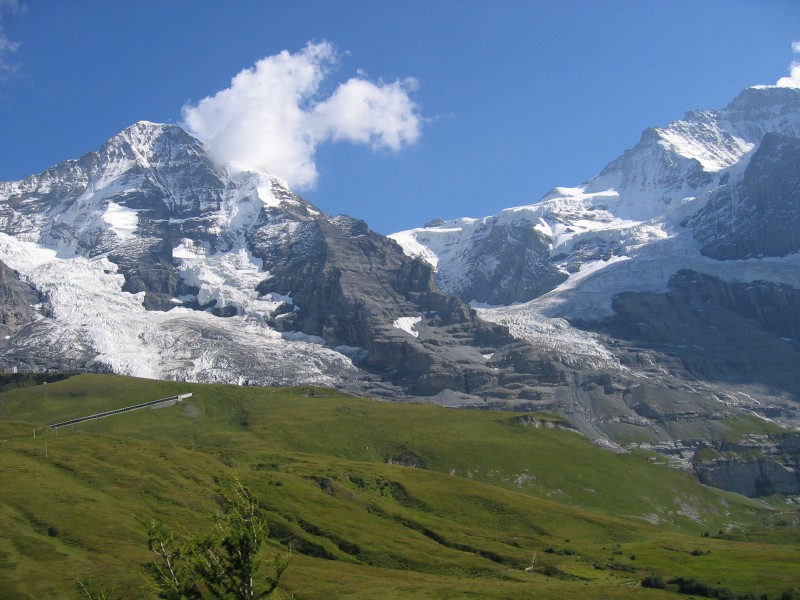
(490,497)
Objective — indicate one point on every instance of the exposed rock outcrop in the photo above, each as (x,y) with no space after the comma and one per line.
(737,332)
(16,301)
(349,286)
(761,467)
(507,263)
(759,216)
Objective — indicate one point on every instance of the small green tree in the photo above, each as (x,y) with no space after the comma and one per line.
(231,562)
(90,594)
(173,572)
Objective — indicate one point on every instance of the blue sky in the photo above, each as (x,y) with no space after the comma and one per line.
(512,97)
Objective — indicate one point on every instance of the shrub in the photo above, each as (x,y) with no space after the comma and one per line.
(654,581)
(701,588)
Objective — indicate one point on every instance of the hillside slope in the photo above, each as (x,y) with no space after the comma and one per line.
(375,498)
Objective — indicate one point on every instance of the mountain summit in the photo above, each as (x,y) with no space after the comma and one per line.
(641,198)
(146,258)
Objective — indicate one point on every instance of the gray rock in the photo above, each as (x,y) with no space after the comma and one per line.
(349,285)
(507,263)
(16,301)
(758,466)
(738,332)
(759,216)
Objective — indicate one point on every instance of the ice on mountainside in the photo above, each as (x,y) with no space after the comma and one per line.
(567,344)
(121,220)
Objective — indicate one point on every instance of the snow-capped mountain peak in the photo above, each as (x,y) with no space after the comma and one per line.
(176,267)
(138,229)
(700,136)
(642,197)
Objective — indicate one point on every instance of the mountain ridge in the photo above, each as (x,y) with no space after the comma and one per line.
(149,259)
(640,197)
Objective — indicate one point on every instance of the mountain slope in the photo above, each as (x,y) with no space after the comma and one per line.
(757,216)
(639,200)
(16,301)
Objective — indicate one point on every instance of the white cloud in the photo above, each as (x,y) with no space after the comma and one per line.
(7,46)
(793,80)
(361,112)
(272,117)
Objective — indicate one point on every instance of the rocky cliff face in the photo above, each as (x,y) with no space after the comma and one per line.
(762,466)
(498,260)
(17,301)
(738,332)
(527,270)
(760,215)
(754,477)
(350,286)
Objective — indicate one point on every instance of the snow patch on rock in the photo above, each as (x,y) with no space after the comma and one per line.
(121,220)
(407,324)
